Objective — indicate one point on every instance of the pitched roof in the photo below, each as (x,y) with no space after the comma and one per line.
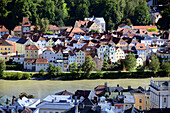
(31,47)
(77,30)
(143,27)
(29,60)
(53,27)
(85,23)
(50,49)
(3,28)
(140,46)
(22,40)
(17,28)
(25,22)
(13,39)
(65,92)
(4,43)
(41,61)
(6,36)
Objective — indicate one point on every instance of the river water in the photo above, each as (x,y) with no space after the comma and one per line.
(42,88)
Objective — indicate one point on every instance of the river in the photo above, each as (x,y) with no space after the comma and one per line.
(42,88)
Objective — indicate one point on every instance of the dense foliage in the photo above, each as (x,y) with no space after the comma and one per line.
(154,64)
(2,67)
(130,62)
(65,12)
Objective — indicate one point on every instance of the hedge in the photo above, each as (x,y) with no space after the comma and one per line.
(16,76)
(14,67)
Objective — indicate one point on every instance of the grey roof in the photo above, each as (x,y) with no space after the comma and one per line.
(57,105)
(115,89)
(13,39)
(22,41)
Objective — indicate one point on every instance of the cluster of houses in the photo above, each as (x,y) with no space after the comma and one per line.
(104,99)
(73,44)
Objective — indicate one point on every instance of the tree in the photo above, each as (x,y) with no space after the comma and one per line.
(154,64)
(44,24)
(105,66)
(23,94)
(2,67)
(141,15)
(73,68)
(58,70)
(140,68)
(51,71)
(41,72)
(165,66)
(88,65)
(130,62)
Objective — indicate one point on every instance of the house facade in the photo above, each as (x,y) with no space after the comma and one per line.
(5,47)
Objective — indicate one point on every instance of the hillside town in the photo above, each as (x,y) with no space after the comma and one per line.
(86,38)
(104,99)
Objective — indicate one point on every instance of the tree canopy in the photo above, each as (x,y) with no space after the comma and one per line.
(65,12)
(154,64)
(2,66)
(130,62)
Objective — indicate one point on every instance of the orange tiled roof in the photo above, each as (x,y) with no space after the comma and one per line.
(50,49)
(53,27)
(77,30)
(143,27)
(31,47)
(140,46)
(3,28)
(6,36)
(17,28)
(41,61)
(25,22)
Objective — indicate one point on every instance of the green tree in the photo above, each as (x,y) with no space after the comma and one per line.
(44,24)
(88,65)
(141,15)
(58,71)
(164,22)
(105,66)
(41,72)
(165,66)
(130,62)
(2,67)
(73,68)
(51,71)
(140,68)
(154,64)
(23,94)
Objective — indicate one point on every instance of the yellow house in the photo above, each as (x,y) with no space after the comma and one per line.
(142,101)
(94,26)
(20,44)
(32,52)
(50,43)
(5,47)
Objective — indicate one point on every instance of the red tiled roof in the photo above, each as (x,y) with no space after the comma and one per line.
(17,28)
(140,46)
(31,47)
(77,30)
(6,36)
(143,27)
(3,28)
(29,60)
(53,27)
(41,61)
(50,49)
(25,22)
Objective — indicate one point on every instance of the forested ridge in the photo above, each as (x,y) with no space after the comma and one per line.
(66,12)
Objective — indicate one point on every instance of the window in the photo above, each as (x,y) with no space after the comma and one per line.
(164,99)
(31,51)
(8,48)
(35,55)
(140,107)
(5,49)
(27,54)
(31,54)
(1,49)
(140,100)
(35,51)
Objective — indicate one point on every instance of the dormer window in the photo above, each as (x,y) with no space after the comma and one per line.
(141,46)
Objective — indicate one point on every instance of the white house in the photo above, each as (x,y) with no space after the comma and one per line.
(141,50)
(159,94)
(107,52)
(49,54)
(71,58)
(119,54)
(139,62)
(41,43)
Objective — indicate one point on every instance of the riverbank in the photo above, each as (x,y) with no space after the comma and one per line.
(79,76)
(42,88)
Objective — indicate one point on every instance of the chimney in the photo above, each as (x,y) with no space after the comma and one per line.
(13,100)
(16,53)
(16,109)
(76,105)
(129,87)
(117,85)
(105,84)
